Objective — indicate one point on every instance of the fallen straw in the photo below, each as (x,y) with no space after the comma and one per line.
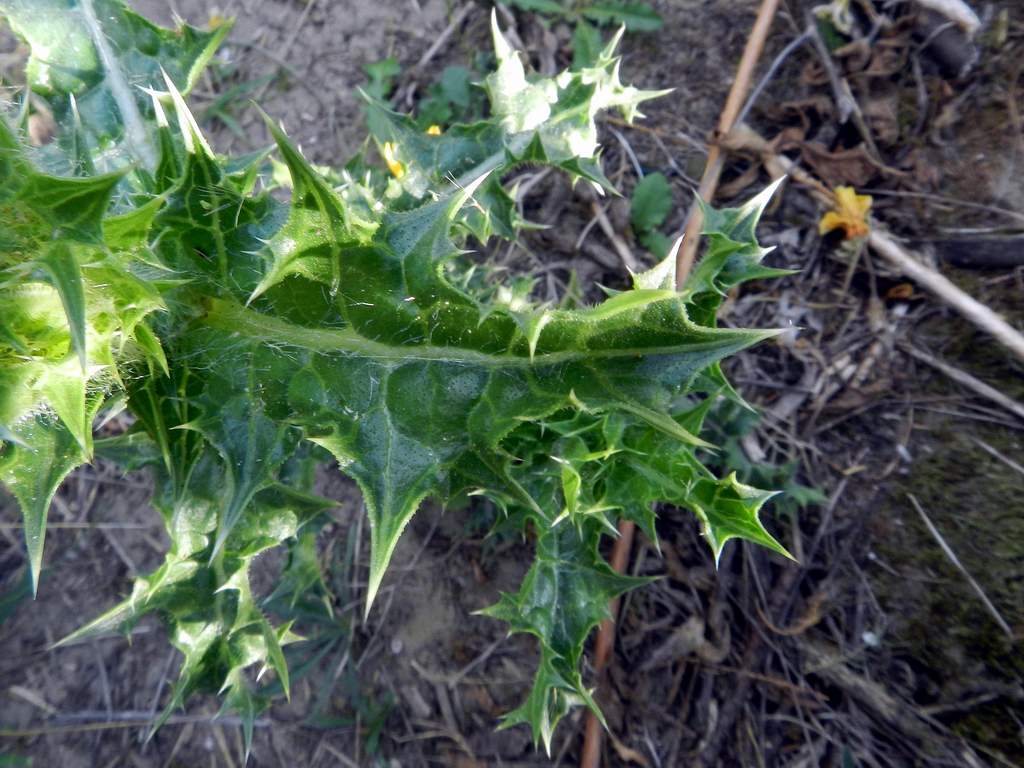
(949,553)
(962,377)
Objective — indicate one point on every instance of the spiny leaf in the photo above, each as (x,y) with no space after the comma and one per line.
(40,454)
(536,120)
(253,447)
(87,58)
(150,344)
(319,225)
(562,598)
(74,207)
(733,255)
(728,509)
(64,306)
(250,337)
(62,267)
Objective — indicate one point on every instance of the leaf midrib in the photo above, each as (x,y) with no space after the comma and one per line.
(229,315)
(138,139)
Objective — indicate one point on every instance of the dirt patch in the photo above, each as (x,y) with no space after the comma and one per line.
(313,54)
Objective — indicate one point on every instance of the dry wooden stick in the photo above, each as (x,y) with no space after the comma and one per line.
(880,241)
(962,377)
(733,105)
(621,248)
(972,309)
(590,757)
(996,454)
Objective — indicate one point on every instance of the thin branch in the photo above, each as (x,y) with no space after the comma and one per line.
(993,452)
(949,553)
(621,248)
(886,246)
(969,381)
(716,161)
(604,645)
(768,76)
(972,309)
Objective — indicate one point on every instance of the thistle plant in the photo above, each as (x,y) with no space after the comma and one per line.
(250,338)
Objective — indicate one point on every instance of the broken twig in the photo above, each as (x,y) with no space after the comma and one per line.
(948,552)
(969,381)
(972,309)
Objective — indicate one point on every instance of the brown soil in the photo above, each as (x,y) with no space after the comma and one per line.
(874,651)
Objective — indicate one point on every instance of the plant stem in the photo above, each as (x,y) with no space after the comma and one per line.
(716,161)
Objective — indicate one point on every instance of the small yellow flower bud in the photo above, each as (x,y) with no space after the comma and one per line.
(393,163)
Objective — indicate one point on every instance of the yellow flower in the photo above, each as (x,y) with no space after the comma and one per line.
(434,130)
(216,20)
(394,164)
(850,214)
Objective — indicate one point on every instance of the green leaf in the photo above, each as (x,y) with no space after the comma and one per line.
(150,344)
(64,303)
(540,6)
(587,44)
(521,104)
(33,465)
(382,75)
(398,451)
(72,207)
(130,450)
(728,509)
(535,120)
(62,268)
(252,446)
(450,99)
(319,225)
(657,243)
(455,85)
(563,597)
(733,255)
(209,606)
(730,424)
(636,17)
(651,203)
(89,56)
